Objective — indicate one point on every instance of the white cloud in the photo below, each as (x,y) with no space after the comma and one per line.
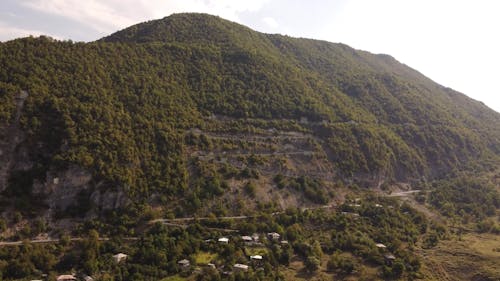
(9,32)
(99,15)
(110,15)
(271,22)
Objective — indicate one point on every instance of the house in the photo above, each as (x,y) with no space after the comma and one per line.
(389,258)
(246,239)
(256,260)
(224,240)
(350,214)
(120,257)
(66,277)
(211,265)
(380,246)
(184,263)
(88,278)
(240,267)
(255,237)
(273,236)
(284,242)
(256,257)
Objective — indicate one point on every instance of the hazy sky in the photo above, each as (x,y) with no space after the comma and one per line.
(456,43)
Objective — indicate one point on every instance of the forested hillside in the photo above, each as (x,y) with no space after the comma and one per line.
(195,116)
(119,106)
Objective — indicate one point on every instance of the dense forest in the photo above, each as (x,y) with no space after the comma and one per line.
(118,106)
(177,113)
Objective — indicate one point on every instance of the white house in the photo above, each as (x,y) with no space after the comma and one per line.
(255,237)
(273,236)
(256,257)
(66,277)
(184,263)
(240,267)
(120,257)
(246,238)
(224,240)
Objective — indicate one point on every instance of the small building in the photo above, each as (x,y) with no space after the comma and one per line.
(380,246)
(66,277)
(224,240)
(256,257)
(88,278)
(378,206)
(273,236)
(351,214)
(389,258)
(284,242)
(240,267)
(247,238)
(211,265)
(255,237)
(184,263)
(120,257)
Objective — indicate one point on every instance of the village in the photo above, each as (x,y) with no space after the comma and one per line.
(259,249)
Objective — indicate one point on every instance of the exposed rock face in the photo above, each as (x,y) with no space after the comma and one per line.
(108,199)
(62,188)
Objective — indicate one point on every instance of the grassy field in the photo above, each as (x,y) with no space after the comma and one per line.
(174,278)
(202,258)
(295,272)
(471,257)
(251,251)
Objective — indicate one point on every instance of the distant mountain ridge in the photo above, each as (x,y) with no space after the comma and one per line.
(119,108)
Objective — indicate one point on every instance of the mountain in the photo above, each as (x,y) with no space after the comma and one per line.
(196,115)
(117,109)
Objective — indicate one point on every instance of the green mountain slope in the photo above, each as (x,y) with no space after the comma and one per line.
(120,107)
(161,138)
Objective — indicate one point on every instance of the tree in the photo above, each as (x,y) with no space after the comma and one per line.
(311,264)
(398,268)
(90,253)
(316,249)
(3,225)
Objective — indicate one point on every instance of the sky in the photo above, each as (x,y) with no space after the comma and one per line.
(454,42)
